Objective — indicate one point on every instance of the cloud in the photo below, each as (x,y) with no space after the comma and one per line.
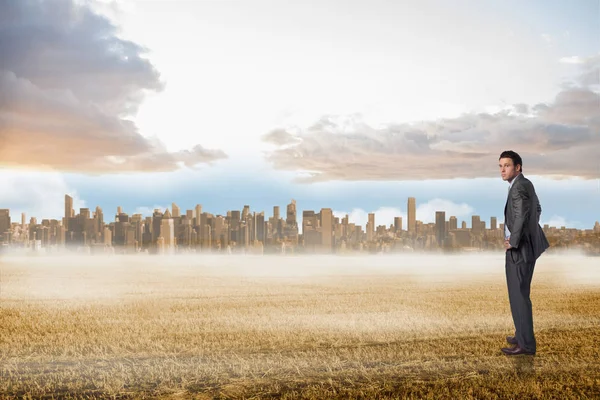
(572,60)
(559,139)
(148,211)
(558,221)
(425,212)
(68,85)
(38,194)
(280,137)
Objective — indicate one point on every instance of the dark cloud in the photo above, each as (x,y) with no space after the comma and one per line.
(67,85)
(560,138)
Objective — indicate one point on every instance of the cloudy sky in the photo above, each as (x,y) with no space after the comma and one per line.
(351,105)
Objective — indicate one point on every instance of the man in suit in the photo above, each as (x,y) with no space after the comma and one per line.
(524,243)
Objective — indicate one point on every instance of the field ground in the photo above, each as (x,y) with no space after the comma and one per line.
(293,327)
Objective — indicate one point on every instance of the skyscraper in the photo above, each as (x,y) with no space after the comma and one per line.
(493,223)
(68,210)
(440,227)
(4,224)
(291,213)
(326,229)
(198,212)
(398,224)
(453,223)
(475,224)
(176,211)
(167,232)
(371,228)
(412,214)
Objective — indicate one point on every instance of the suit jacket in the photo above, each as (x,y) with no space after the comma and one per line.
(522,218)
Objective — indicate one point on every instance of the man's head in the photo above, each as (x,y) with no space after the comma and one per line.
(510,165)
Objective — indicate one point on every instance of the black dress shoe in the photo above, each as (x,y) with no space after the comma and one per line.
(512,340)
(515,351)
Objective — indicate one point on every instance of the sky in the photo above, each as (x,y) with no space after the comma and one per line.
(350,105)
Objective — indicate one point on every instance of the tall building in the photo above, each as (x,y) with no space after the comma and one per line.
(276,213)
(68,210)
(371,228)
(291,213)
(259,222)
(119,210)
(23,220)
(398,224)
(475,224)
(167,232)
(327,229)
(156,225)
(412,214)
(245,212)
(4,224)
(452,223)
(493,223)
(198,213)
(440,227)
(176,211)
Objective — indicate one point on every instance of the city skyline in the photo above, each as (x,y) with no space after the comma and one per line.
(239,103)
(197,230)
(409,220)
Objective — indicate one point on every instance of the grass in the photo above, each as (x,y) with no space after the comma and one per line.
(292,327)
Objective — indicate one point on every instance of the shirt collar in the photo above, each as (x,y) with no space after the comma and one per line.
(513,181)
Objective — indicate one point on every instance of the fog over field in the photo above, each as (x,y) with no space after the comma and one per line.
(64,276)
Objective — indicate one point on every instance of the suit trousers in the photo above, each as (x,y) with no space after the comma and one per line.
(518,279)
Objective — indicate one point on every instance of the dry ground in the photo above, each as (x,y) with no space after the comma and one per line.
(292,327)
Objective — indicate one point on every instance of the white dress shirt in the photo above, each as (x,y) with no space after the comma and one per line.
(506,231)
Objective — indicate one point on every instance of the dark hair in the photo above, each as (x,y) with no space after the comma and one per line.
(513,156)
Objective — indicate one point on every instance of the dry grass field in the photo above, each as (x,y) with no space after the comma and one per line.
(368,327)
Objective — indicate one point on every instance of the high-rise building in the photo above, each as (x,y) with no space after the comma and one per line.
(176,212)
(4,224)
(440,227)
(371,228)
(464,225)
(327,229)
(412,214)
(291,213)
(493,223)
(475,224)
(23,220)
(167,232)
(398,224)
(119,210)
(68,210)
(245,212)
(156,224)
(198,213)
(276,213)
(452,223)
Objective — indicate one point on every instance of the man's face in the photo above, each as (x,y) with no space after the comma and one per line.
(507,169)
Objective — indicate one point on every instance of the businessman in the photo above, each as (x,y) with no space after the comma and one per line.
(524,243)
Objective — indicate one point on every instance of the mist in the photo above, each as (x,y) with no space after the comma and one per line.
(126,277)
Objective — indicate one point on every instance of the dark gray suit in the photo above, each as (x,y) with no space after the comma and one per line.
(522,216)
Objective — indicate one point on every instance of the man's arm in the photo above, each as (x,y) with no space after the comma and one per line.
(521,210)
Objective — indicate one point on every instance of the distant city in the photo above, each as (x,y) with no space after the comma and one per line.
(170,232)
